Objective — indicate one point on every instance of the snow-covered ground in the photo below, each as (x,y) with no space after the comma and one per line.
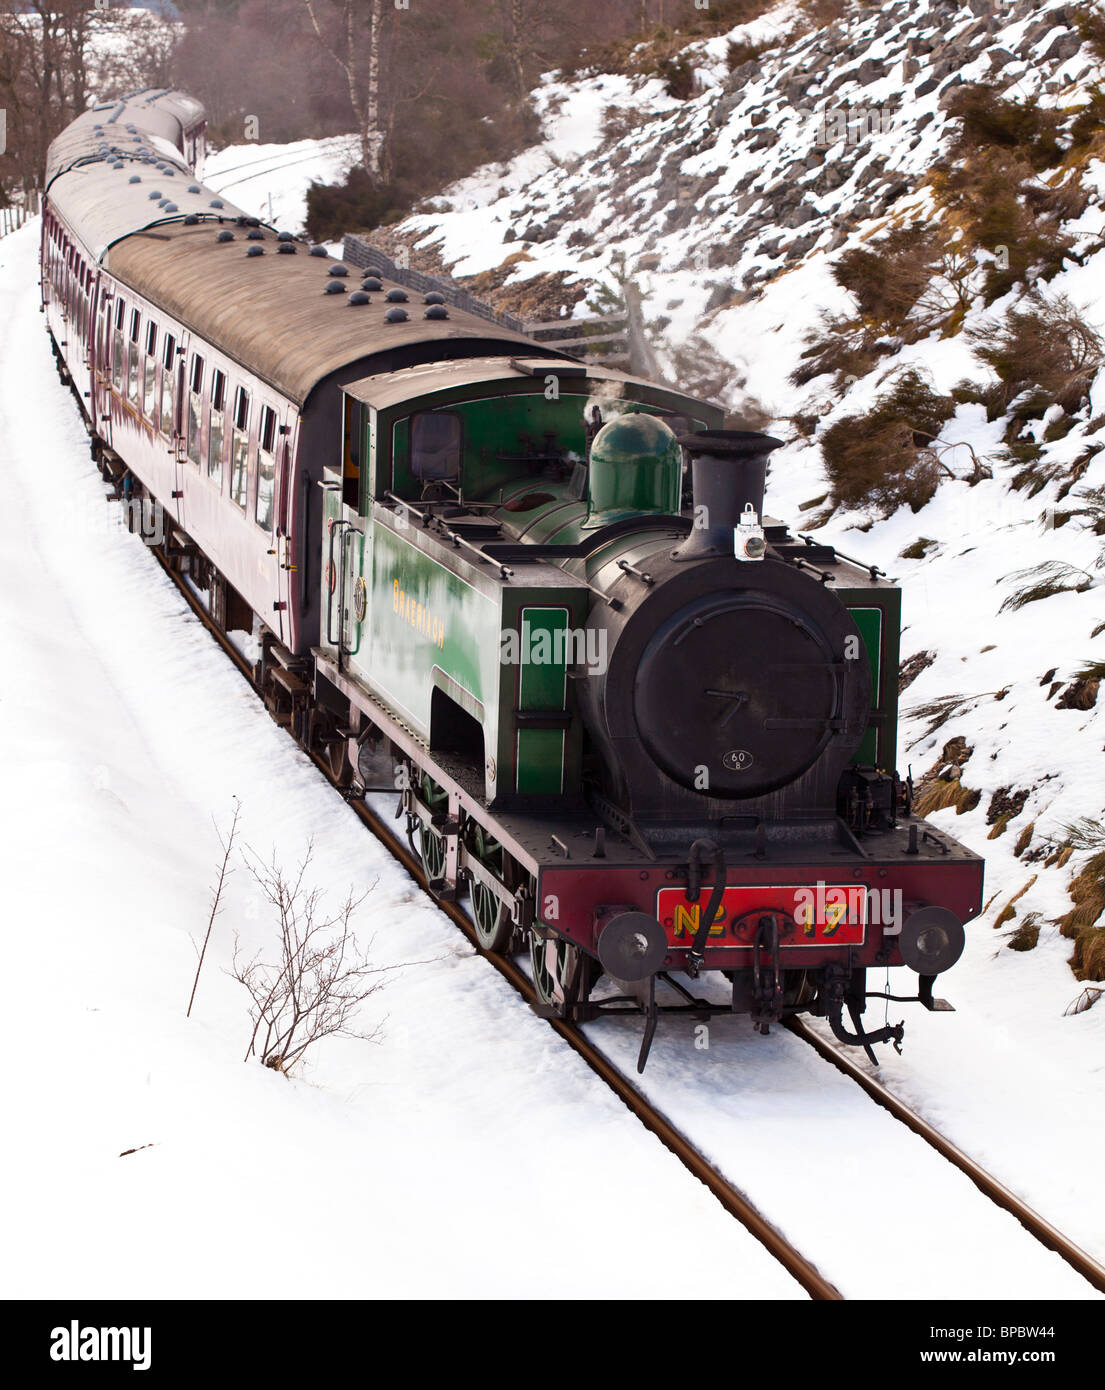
(272,180)
(450,1154)
(439,1161)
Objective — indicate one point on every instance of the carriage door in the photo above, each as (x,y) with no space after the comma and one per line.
(176,405)
(270,511)
(284,541)
(354,588)
(101,374)
(356,535)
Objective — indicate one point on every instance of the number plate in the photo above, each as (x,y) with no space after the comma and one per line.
(814,915)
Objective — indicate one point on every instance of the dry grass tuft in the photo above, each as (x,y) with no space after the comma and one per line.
(1026,935)
(1045,581)
(911,668)
(1008,912)
(1088,957)
(1087,890)
(942,785)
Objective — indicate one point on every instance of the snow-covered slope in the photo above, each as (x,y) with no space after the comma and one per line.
(144,1158)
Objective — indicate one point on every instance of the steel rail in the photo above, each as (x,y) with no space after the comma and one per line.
(986,1183)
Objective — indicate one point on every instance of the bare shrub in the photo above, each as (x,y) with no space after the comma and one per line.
(884,458)
(912,281)
(319,979)
(994,196)
(1044,353)
(989,120)
(840,346)
(1086,1000)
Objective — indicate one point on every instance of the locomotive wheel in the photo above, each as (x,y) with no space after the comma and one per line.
(562,974)
(431,846)
(337,758)
(494,927)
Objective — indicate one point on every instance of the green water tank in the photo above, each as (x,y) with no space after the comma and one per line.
(636,467)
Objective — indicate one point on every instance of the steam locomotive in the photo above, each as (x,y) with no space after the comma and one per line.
(648,730)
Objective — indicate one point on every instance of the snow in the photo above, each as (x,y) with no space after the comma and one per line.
(440,1156)
(272,180)
(437,1160)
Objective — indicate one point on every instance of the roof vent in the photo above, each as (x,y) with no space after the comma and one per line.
(255,250)
(191,220)
(285,236)
(255,235)
(217,203)
(193,188)
(319,251)
(134,178)
(437,311)
(339,269)
(171,207)
(286,248)
(225,236)
(372,282)
(118,164)
(334,287)
(396,296)
(434,297)
(359,297)
(155,193)
(395,316)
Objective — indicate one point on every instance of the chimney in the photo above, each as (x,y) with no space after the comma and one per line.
(728,471)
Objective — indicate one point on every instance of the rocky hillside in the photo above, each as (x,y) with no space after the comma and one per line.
(882,240)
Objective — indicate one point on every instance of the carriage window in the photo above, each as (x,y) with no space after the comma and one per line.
(117,346)
(239,448)
(435,446)
(266,467)
(195,408)
(149,379)
(132,358)
(168,371)
(218,429)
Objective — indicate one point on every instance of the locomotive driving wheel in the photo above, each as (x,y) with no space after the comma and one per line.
(431,845)
(562,974)
(494,927)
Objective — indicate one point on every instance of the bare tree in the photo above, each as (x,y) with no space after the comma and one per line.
(224,873)
(357,53)
(43,78)
(319,979)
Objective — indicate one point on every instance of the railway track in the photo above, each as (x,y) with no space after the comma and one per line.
(803,1270)
(731,1198)
(986,1183)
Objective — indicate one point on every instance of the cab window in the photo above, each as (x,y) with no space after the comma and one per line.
(436,446)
